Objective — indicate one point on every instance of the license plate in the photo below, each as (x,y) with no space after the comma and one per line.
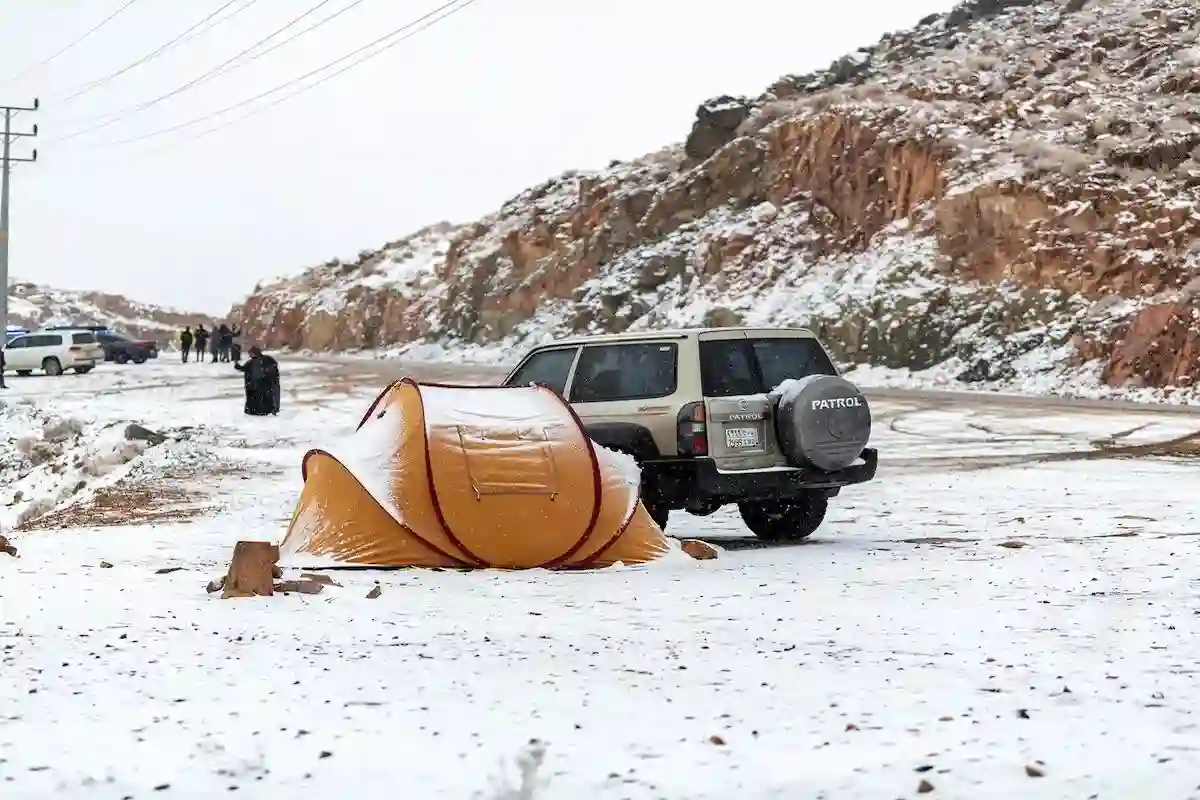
(741,438)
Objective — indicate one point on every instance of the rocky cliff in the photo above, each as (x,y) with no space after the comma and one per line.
(31,305)
(1009,189)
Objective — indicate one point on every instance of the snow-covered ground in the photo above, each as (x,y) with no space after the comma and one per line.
(902,644)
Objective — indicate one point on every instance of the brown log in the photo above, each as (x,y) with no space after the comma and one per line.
(7,548)
(697,549)
(303,587)
(252,570)
(317,577)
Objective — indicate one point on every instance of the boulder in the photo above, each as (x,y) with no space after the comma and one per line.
(716,125)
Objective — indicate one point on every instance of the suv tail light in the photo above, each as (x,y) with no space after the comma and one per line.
(74,348)
(692,430)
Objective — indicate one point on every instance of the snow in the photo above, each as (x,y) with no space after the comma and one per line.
(902,637)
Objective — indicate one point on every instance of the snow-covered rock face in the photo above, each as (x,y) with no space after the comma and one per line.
(31,305)
(1011,189)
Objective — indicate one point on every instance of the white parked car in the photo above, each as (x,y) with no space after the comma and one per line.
(53,352)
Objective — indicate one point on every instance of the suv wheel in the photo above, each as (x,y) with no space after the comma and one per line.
(52,366)
(788,521)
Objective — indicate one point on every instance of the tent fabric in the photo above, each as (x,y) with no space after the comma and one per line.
(470,477)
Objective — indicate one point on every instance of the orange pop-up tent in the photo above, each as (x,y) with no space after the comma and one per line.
(457,476)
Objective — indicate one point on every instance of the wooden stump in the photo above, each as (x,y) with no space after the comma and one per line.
(252,570)
(7,548)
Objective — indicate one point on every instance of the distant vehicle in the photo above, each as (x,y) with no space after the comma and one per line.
(117,346)
(53,352)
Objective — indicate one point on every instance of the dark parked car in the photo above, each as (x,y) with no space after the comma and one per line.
(121,348)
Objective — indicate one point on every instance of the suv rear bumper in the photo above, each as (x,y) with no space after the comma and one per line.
(698,481)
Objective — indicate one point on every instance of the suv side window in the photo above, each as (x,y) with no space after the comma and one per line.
(44,340)
(82,338)
(20,341)
(550,367)
(625,372)
(106,338)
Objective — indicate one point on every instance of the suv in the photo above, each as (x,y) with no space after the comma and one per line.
(117,347)
(753,416)
(53,352)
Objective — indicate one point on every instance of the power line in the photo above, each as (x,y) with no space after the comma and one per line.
(67,47)
(254,112)
(461,4)
(114,117)
(190,33)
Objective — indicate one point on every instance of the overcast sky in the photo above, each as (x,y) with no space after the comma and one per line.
(446,125)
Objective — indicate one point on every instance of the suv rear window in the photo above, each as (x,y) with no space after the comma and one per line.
(83,338)
(550,367)
(735,367)
(625,372)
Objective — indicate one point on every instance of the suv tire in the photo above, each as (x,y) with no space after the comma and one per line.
(52,366)
(788,521)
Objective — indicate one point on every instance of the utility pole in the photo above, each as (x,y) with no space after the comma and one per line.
(6,162)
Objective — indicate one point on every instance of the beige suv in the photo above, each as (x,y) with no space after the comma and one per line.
(752,416)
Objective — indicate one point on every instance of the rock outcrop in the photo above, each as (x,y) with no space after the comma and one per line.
(1012,188)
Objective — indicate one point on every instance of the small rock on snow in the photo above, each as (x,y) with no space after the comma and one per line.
(135,432)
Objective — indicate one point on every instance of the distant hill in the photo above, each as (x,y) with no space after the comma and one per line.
(31,305)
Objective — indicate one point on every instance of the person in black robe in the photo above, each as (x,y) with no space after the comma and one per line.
(261,375)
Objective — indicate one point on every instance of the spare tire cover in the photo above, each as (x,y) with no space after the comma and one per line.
(822,421)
